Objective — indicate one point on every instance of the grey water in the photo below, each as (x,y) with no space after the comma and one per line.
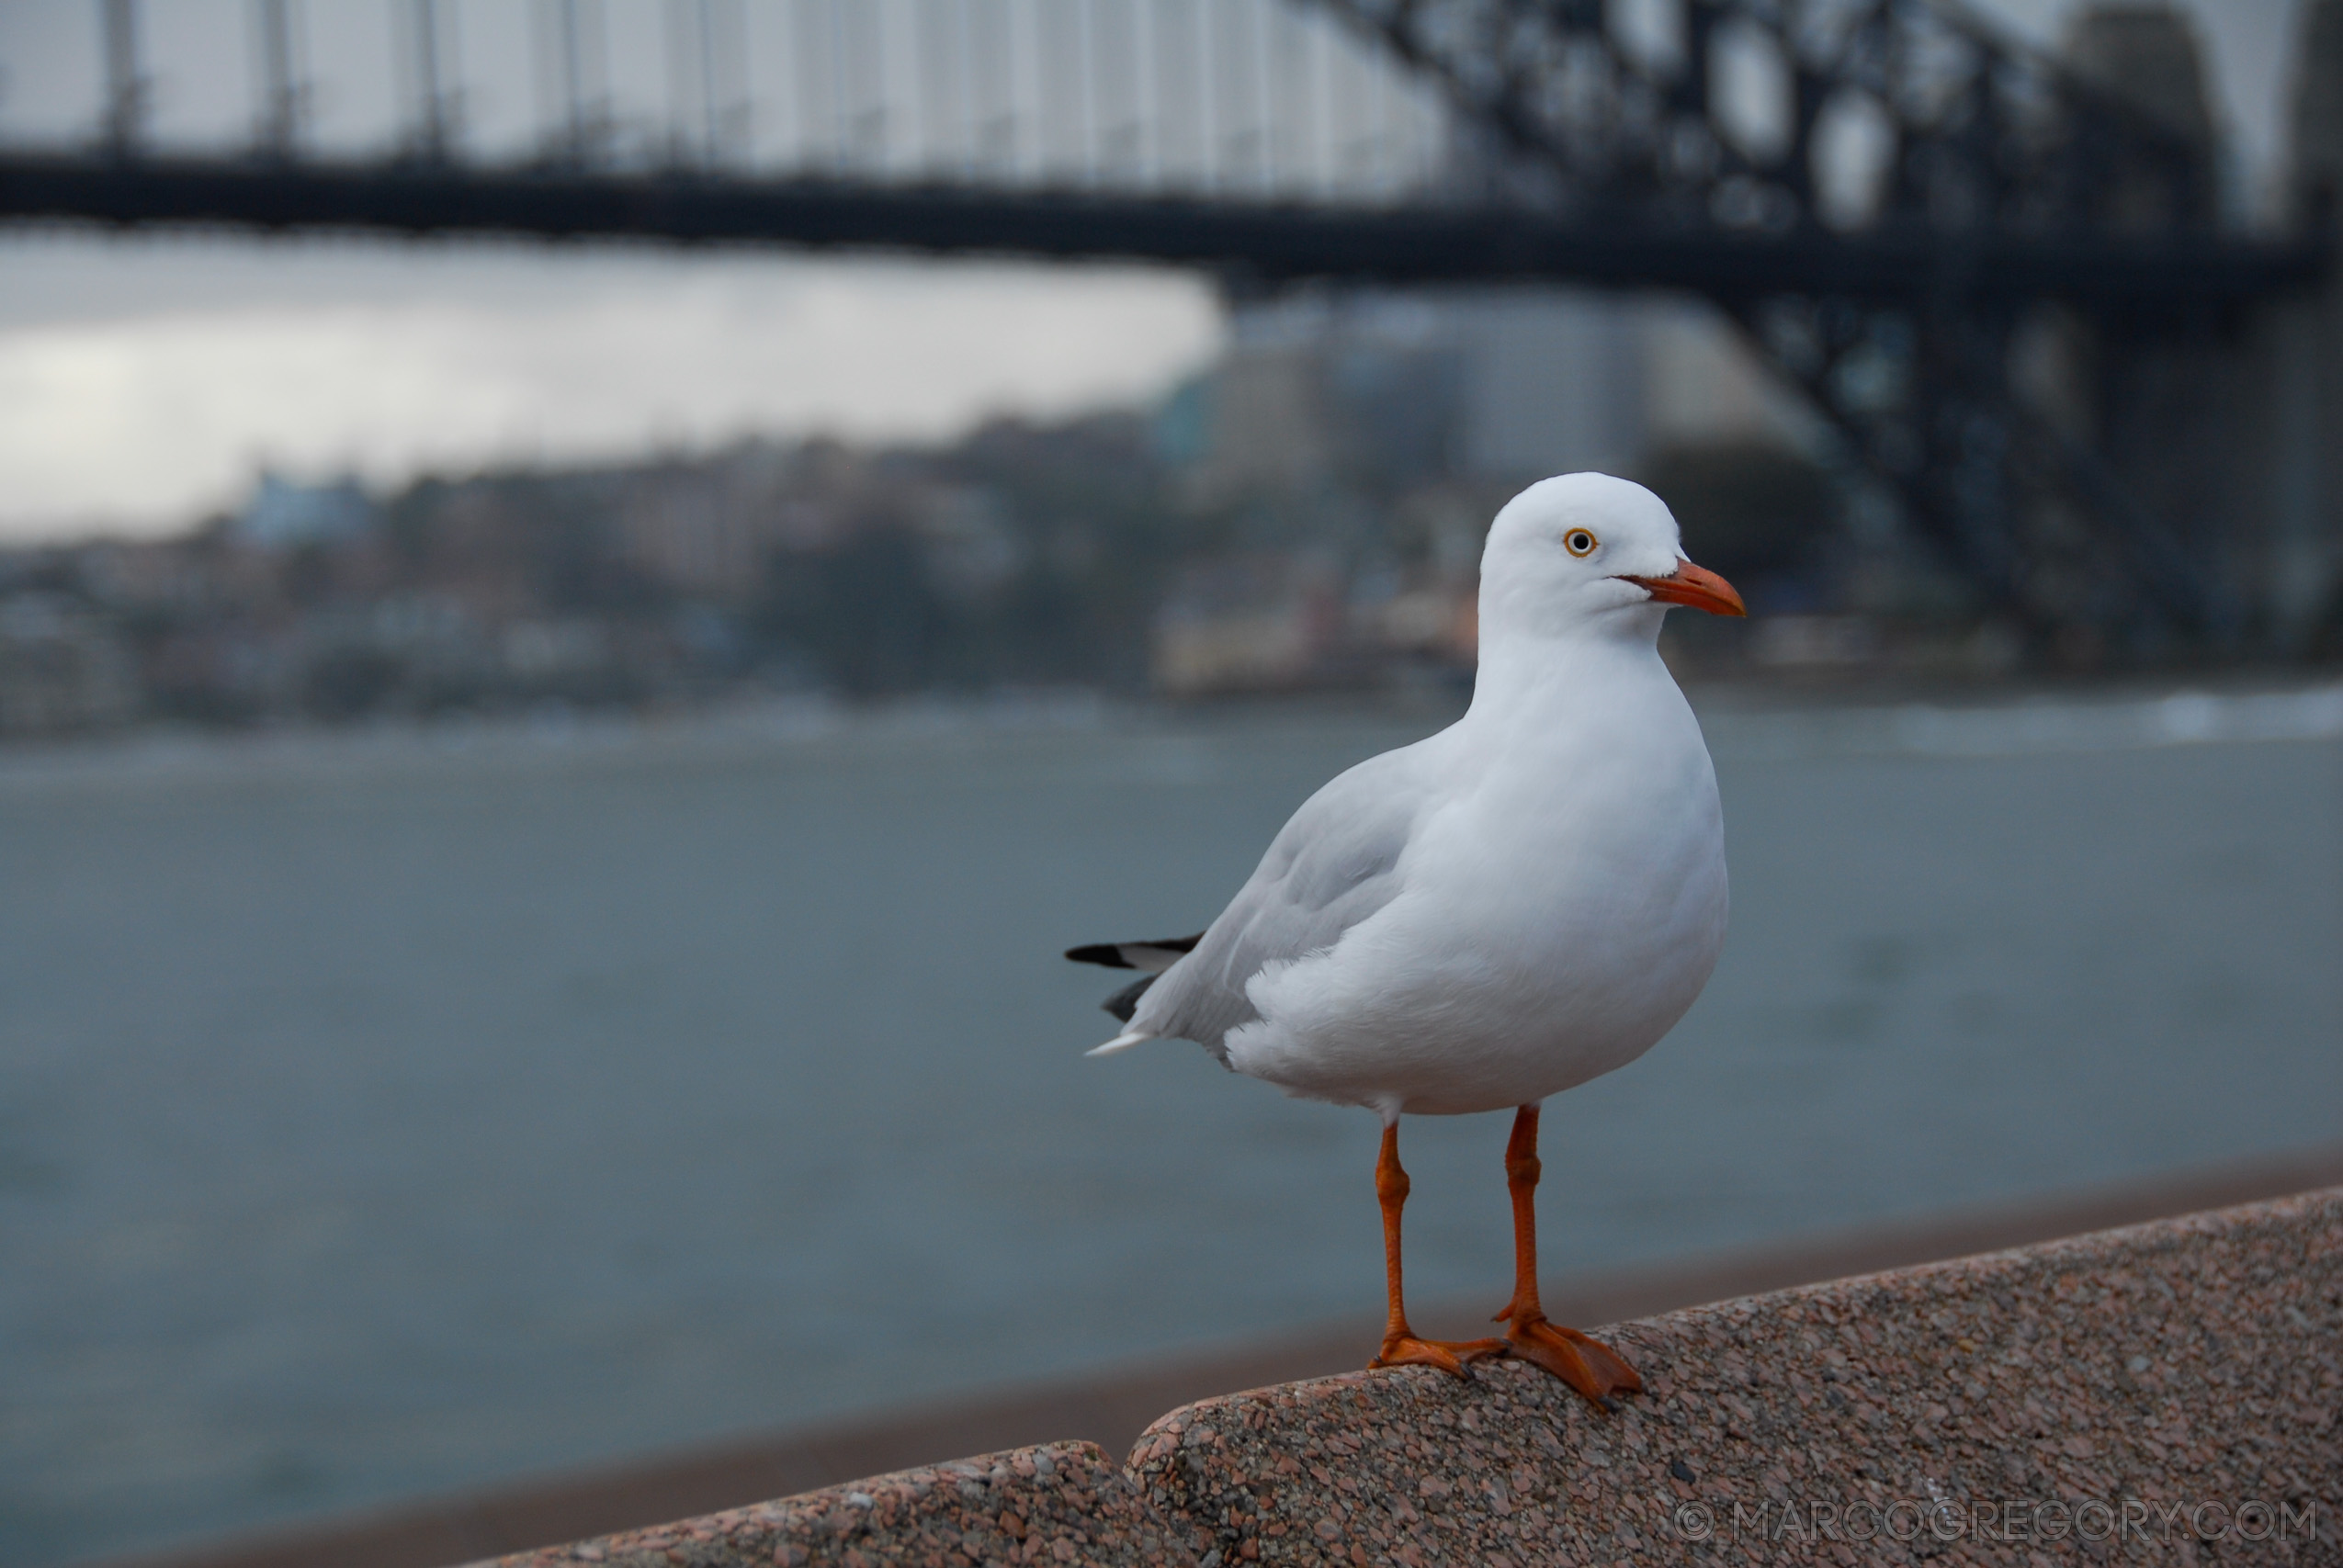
(395,1114)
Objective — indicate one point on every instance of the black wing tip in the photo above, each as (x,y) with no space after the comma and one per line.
(1125,1002)
(1115,954)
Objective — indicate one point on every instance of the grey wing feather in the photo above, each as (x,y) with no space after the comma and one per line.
(1330,867)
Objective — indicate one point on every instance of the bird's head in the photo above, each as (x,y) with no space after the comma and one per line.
(1589,552)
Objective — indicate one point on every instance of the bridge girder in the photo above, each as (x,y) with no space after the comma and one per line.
(1984,146)
(1273,242)
(1991,185)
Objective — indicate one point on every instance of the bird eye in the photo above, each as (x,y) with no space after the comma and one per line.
(1578,542)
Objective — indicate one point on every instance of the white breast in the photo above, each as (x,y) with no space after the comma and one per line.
(1564,904)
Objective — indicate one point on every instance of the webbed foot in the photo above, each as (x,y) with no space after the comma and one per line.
(1451,1356)
(1587,1364)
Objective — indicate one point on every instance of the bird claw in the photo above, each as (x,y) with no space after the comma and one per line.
(1588,1365)
(1451,1356)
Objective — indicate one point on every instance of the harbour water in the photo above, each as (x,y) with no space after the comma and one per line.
(381,1115)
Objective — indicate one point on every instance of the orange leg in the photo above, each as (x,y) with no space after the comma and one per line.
(1400,1346)
(1588,1365)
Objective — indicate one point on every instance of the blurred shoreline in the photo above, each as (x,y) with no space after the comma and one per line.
(1773,716)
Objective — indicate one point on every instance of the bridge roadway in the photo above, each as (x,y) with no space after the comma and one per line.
(1262,241)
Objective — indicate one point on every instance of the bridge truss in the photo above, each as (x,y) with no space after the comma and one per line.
(1893,202)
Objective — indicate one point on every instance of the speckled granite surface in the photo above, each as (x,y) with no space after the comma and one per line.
(2167,1393)
(2172,1392)
(1056,1504)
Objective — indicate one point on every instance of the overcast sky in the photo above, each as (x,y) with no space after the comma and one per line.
(142,381)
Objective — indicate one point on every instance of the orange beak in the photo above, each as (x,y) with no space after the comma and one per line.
(1696,586)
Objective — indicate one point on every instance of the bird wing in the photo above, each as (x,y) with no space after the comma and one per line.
(1154,957)
(1330,867)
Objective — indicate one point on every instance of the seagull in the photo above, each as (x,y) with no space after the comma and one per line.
(1525,900)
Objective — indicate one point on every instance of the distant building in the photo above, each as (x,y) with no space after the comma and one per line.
(1555,381)
(1264,418)
(282,513)
(970,550)
(1388,391)
(1259,623)
(1376,435)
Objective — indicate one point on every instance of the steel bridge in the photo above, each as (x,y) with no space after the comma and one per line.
(1897,204)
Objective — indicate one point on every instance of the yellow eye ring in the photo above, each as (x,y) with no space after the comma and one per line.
(1578,542)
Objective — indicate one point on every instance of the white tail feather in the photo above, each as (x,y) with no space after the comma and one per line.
(1122,1041)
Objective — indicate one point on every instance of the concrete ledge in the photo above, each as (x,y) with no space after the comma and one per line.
(1058,1503)
(2196,1362)
(2170,1392)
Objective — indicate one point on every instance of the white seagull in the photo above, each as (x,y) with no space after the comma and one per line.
(1522,902)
